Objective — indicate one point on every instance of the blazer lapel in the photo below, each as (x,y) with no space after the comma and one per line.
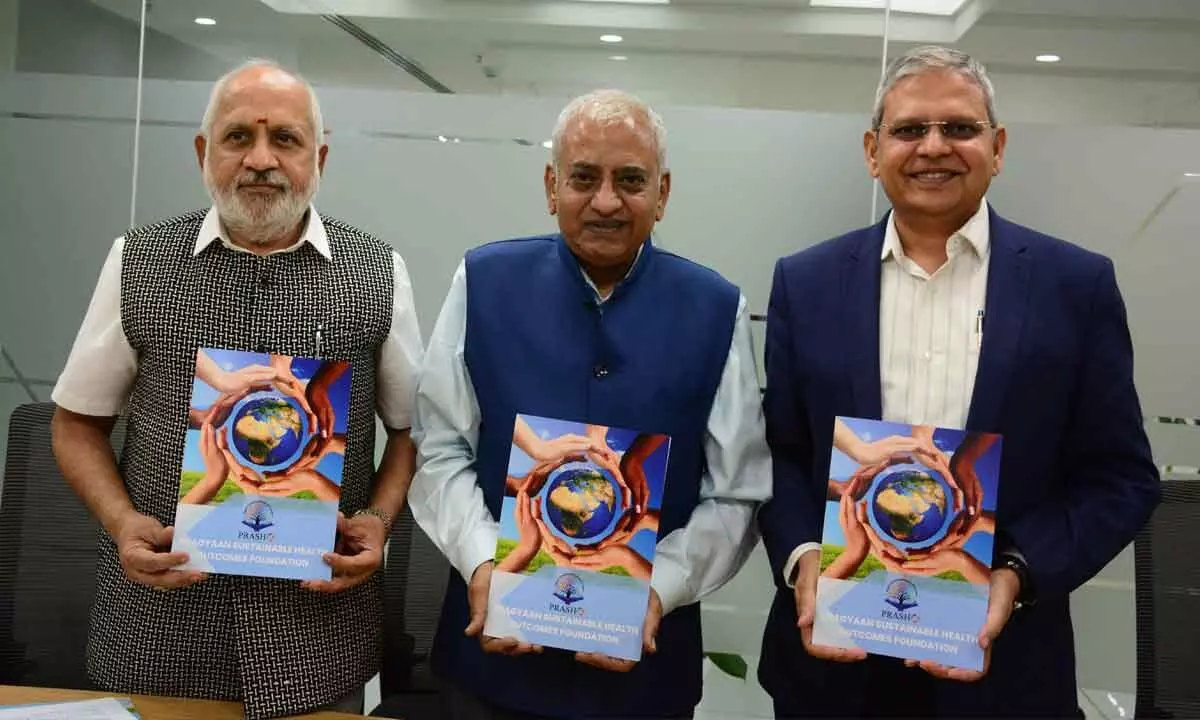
(860,302)
(1003,317)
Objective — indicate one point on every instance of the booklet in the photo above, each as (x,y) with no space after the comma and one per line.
(907,542)
(262,464)
(578,529)
(96,709)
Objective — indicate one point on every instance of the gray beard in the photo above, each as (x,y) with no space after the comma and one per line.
(265,221)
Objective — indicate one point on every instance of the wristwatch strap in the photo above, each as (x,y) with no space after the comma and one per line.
(382,515)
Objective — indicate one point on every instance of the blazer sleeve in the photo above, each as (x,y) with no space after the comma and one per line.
(792,516)
(1111,485)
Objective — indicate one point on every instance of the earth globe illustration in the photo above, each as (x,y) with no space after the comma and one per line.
(910,506)
(581,501)
(268,430)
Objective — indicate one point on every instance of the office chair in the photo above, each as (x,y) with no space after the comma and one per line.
(1167,594)
(414,583)
(47,560)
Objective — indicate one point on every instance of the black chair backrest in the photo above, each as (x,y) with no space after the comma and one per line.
(414,582)
(1168,605)
(47,560)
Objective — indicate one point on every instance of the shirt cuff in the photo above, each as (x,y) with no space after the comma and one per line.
(478,547)
(670,582)
(80,404)
(393,420)
(789,568)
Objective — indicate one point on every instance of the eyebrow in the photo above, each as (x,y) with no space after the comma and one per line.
(590,167)
(271,127)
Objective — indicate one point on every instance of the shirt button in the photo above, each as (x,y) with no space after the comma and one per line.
(928,355)
(599,371)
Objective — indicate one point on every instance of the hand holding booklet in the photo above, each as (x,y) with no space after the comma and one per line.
(577,536)
(907,542)
(261,475)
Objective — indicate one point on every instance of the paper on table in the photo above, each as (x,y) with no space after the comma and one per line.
(103,709)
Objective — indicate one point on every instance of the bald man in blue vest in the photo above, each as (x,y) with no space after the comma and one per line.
(593,324)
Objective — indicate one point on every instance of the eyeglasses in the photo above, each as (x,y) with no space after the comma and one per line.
(953,130)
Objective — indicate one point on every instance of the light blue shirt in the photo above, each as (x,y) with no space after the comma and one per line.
(689,563)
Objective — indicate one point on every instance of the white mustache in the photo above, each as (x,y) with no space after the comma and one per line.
(271,177)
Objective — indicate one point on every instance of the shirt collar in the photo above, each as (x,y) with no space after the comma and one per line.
(596,290)
(975,232)
(314,234)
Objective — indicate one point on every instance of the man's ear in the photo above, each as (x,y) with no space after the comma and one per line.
(201,144)
(871,152)
(551,182)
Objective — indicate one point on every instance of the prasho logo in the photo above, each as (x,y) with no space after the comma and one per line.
(901,594)
(257,516)
(568,588)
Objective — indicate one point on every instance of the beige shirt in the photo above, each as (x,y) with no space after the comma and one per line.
(930,327)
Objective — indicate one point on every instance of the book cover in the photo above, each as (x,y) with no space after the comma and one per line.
(578,529)
(907,542)
(262,465)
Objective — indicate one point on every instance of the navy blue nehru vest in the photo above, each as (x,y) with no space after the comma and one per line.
(650,359)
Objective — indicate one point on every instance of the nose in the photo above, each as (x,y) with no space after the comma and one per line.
(934,143)
(605,200)
(260,158)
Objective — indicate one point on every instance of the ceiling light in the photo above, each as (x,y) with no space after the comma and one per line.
(631,2)
(611,38)
(919,7)
(617,57)
(1048,58)
(547,144)
(205,21)
(443,138)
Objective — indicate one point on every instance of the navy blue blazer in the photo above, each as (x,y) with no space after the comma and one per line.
(1055,378)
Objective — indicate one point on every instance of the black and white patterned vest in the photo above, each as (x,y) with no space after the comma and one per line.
(279,648)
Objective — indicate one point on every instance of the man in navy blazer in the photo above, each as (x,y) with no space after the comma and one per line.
(987,325)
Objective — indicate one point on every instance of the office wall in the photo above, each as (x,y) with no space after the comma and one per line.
(75,37)
(847,85)
(8,35)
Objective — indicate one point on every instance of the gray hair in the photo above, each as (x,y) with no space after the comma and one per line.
(218,89)
(611,106)
(933,57)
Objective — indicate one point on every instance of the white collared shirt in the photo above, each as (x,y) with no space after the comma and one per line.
(101,368)
(928,327)
(929,332)
(689,563)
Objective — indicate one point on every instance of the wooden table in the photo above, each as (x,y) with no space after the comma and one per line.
(149,707)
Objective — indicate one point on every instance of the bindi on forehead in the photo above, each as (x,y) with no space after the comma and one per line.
(262,121)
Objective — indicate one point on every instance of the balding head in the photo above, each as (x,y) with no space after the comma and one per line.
(261,148)
(267,74)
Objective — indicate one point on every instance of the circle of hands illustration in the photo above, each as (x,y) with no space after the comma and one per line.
(288,394)
(611,549)
(946,554)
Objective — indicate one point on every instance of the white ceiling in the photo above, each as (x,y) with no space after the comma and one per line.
(765,53)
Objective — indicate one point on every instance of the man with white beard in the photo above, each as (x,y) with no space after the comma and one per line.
(259,271)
